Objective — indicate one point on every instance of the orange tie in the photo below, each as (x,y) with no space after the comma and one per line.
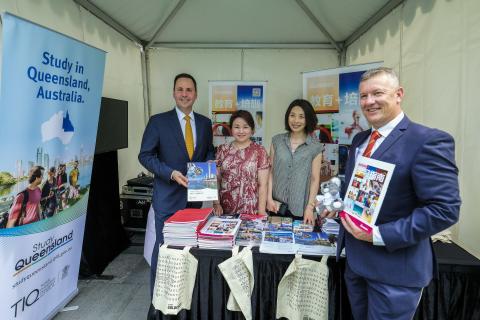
(188,136)
(373,138)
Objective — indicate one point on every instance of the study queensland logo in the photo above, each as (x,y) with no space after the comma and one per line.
(42,250)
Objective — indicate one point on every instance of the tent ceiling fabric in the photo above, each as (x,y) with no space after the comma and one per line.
(240,21)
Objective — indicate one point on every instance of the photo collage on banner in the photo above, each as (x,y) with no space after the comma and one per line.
(50,100)
(334,96)
(226,97)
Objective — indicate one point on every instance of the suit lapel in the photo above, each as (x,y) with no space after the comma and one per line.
(396,133)
(352,152)
(177,131)
(199,132)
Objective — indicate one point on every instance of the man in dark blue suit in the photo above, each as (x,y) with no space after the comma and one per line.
(387,269)
(171,139)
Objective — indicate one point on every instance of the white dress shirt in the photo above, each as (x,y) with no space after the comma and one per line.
(183,122)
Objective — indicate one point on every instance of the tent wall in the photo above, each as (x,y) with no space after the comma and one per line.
(123,77)
(435,45)
(281,68)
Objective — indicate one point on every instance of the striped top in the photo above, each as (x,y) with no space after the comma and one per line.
(292,171)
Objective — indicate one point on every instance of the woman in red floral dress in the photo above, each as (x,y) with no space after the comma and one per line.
(243,168)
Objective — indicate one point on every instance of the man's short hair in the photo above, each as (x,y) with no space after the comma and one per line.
(34,173)
(184,75)
(378,71)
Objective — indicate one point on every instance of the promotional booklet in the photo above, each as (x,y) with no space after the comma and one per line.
(202,181)
(299,226)
(330,226)
(220,227)
(250,232)
(180,228)
(219,233)
(315,243)
(366,190)
(277,223)
(278,242)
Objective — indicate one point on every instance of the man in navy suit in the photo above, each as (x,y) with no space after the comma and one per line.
(387,269)
(171,139)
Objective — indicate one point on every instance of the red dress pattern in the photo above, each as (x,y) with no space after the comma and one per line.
(239,176)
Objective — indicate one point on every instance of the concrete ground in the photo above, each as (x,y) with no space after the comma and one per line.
(125,297)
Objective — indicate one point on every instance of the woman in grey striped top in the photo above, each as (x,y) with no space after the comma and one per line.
(296,158)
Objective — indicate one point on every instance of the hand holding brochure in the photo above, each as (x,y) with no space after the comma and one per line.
(366,190)
(202,181)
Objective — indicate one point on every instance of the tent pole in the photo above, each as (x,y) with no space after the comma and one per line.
(379,15)
(96,11)
(320,26)
(146,85)
(171,15)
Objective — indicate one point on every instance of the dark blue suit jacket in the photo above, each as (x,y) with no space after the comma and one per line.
(422,200)
(163,150)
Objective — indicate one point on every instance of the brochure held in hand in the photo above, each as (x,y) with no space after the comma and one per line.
(366,191)
(202,181)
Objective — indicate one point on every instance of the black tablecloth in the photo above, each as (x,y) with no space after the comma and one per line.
(455,294)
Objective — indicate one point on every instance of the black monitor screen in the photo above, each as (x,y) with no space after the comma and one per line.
(112,131)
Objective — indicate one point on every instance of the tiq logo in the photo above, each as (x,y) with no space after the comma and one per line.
(26,301)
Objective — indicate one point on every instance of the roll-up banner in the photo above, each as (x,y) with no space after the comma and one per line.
(334,96)
(51,88)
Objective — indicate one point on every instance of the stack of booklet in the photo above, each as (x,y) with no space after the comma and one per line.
(330,226)
(315,243)
(276,223)
(180,229)
(219,233)
(303,242)
(250,232)
(278,242)
(299,226)
(282,236)
(278,237)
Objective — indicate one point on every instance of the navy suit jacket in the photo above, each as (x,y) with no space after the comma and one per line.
(163,150)
(422,200)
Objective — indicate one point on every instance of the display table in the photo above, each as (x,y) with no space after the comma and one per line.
(454,295)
